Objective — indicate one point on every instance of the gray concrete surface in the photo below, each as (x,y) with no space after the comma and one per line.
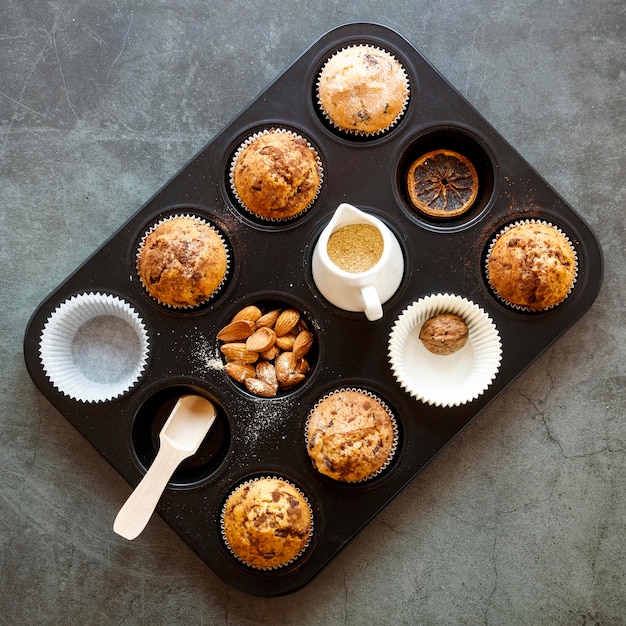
(521,521)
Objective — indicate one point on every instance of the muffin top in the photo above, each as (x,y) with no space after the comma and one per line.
(362,89)
(182,262)
(276,175)
(532,265)
(266,523)
(350,436)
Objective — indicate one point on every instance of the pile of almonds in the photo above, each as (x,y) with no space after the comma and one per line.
(266,351)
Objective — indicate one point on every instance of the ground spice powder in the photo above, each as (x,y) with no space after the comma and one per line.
(355,248)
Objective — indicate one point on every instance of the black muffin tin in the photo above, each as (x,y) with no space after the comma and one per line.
(271,263)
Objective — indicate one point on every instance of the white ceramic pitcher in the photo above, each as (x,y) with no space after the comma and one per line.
(365,291)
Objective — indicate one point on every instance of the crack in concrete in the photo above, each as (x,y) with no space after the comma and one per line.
(22,497)
(494,552)
(131,21)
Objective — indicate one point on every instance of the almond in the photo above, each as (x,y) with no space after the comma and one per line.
(266,372)
(259,388)
(292,380)
(302,344)
(286,321)
(240,371)
(250,313)
(302,366)
(285,365)
(238,352)
(268,319)
(271,354)
(236,331)
(286,342)
(261,340)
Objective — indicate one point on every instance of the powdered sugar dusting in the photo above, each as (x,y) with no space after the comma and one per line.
(261,422)
(267,421)
(207,356)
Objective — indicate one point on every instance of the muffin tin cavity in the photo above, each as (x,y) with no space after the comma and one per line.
(362,91)
(183,261)
(149,420)
(269,348)
(275,176)
(351,435)
(459,142)
(266,523)
(445,379)
(547,269)
(177,351)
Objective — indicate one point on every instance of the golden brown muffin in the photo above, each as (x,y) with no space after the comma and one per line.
(363,89)
(532,265)
(266,523)
(442,183)
(182,262)
(350,436)
(276,175)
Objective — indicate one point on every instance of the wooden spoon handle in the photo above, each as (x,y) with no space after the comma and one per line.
(137,510)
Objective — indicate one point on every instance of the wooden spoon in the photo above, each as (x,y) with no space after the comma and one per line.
(180,438)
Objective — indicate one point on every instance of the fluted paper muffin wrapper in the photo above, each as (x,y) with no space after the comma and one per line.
(352,131)
(223,531)
(201,220)
(394,425)
(445,380)
(518,307)
(233,165)
(86,355)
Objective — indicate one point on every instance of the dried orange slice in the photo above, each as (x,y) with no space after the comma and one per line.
(442,183)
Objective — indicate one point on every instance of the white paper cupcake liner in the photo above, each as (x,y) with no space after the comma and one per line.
(517,307)
(201,220)
(394,424)
(361,133)
(445,380)
(293,559)
(233,165)
(94,347)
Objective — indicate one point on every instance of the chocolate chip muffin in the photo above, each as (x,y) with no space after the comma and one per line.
(351,435)
(532,265)
(182,262)
(363,89)
(276,175)
(267,523)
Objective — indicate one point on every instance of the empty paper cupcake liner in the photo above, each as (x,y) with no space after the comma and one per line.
(273,567)
(445,380)
(389,412)
(233,165)
(361,133)
(200,220)
(94,347)
(512,305)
